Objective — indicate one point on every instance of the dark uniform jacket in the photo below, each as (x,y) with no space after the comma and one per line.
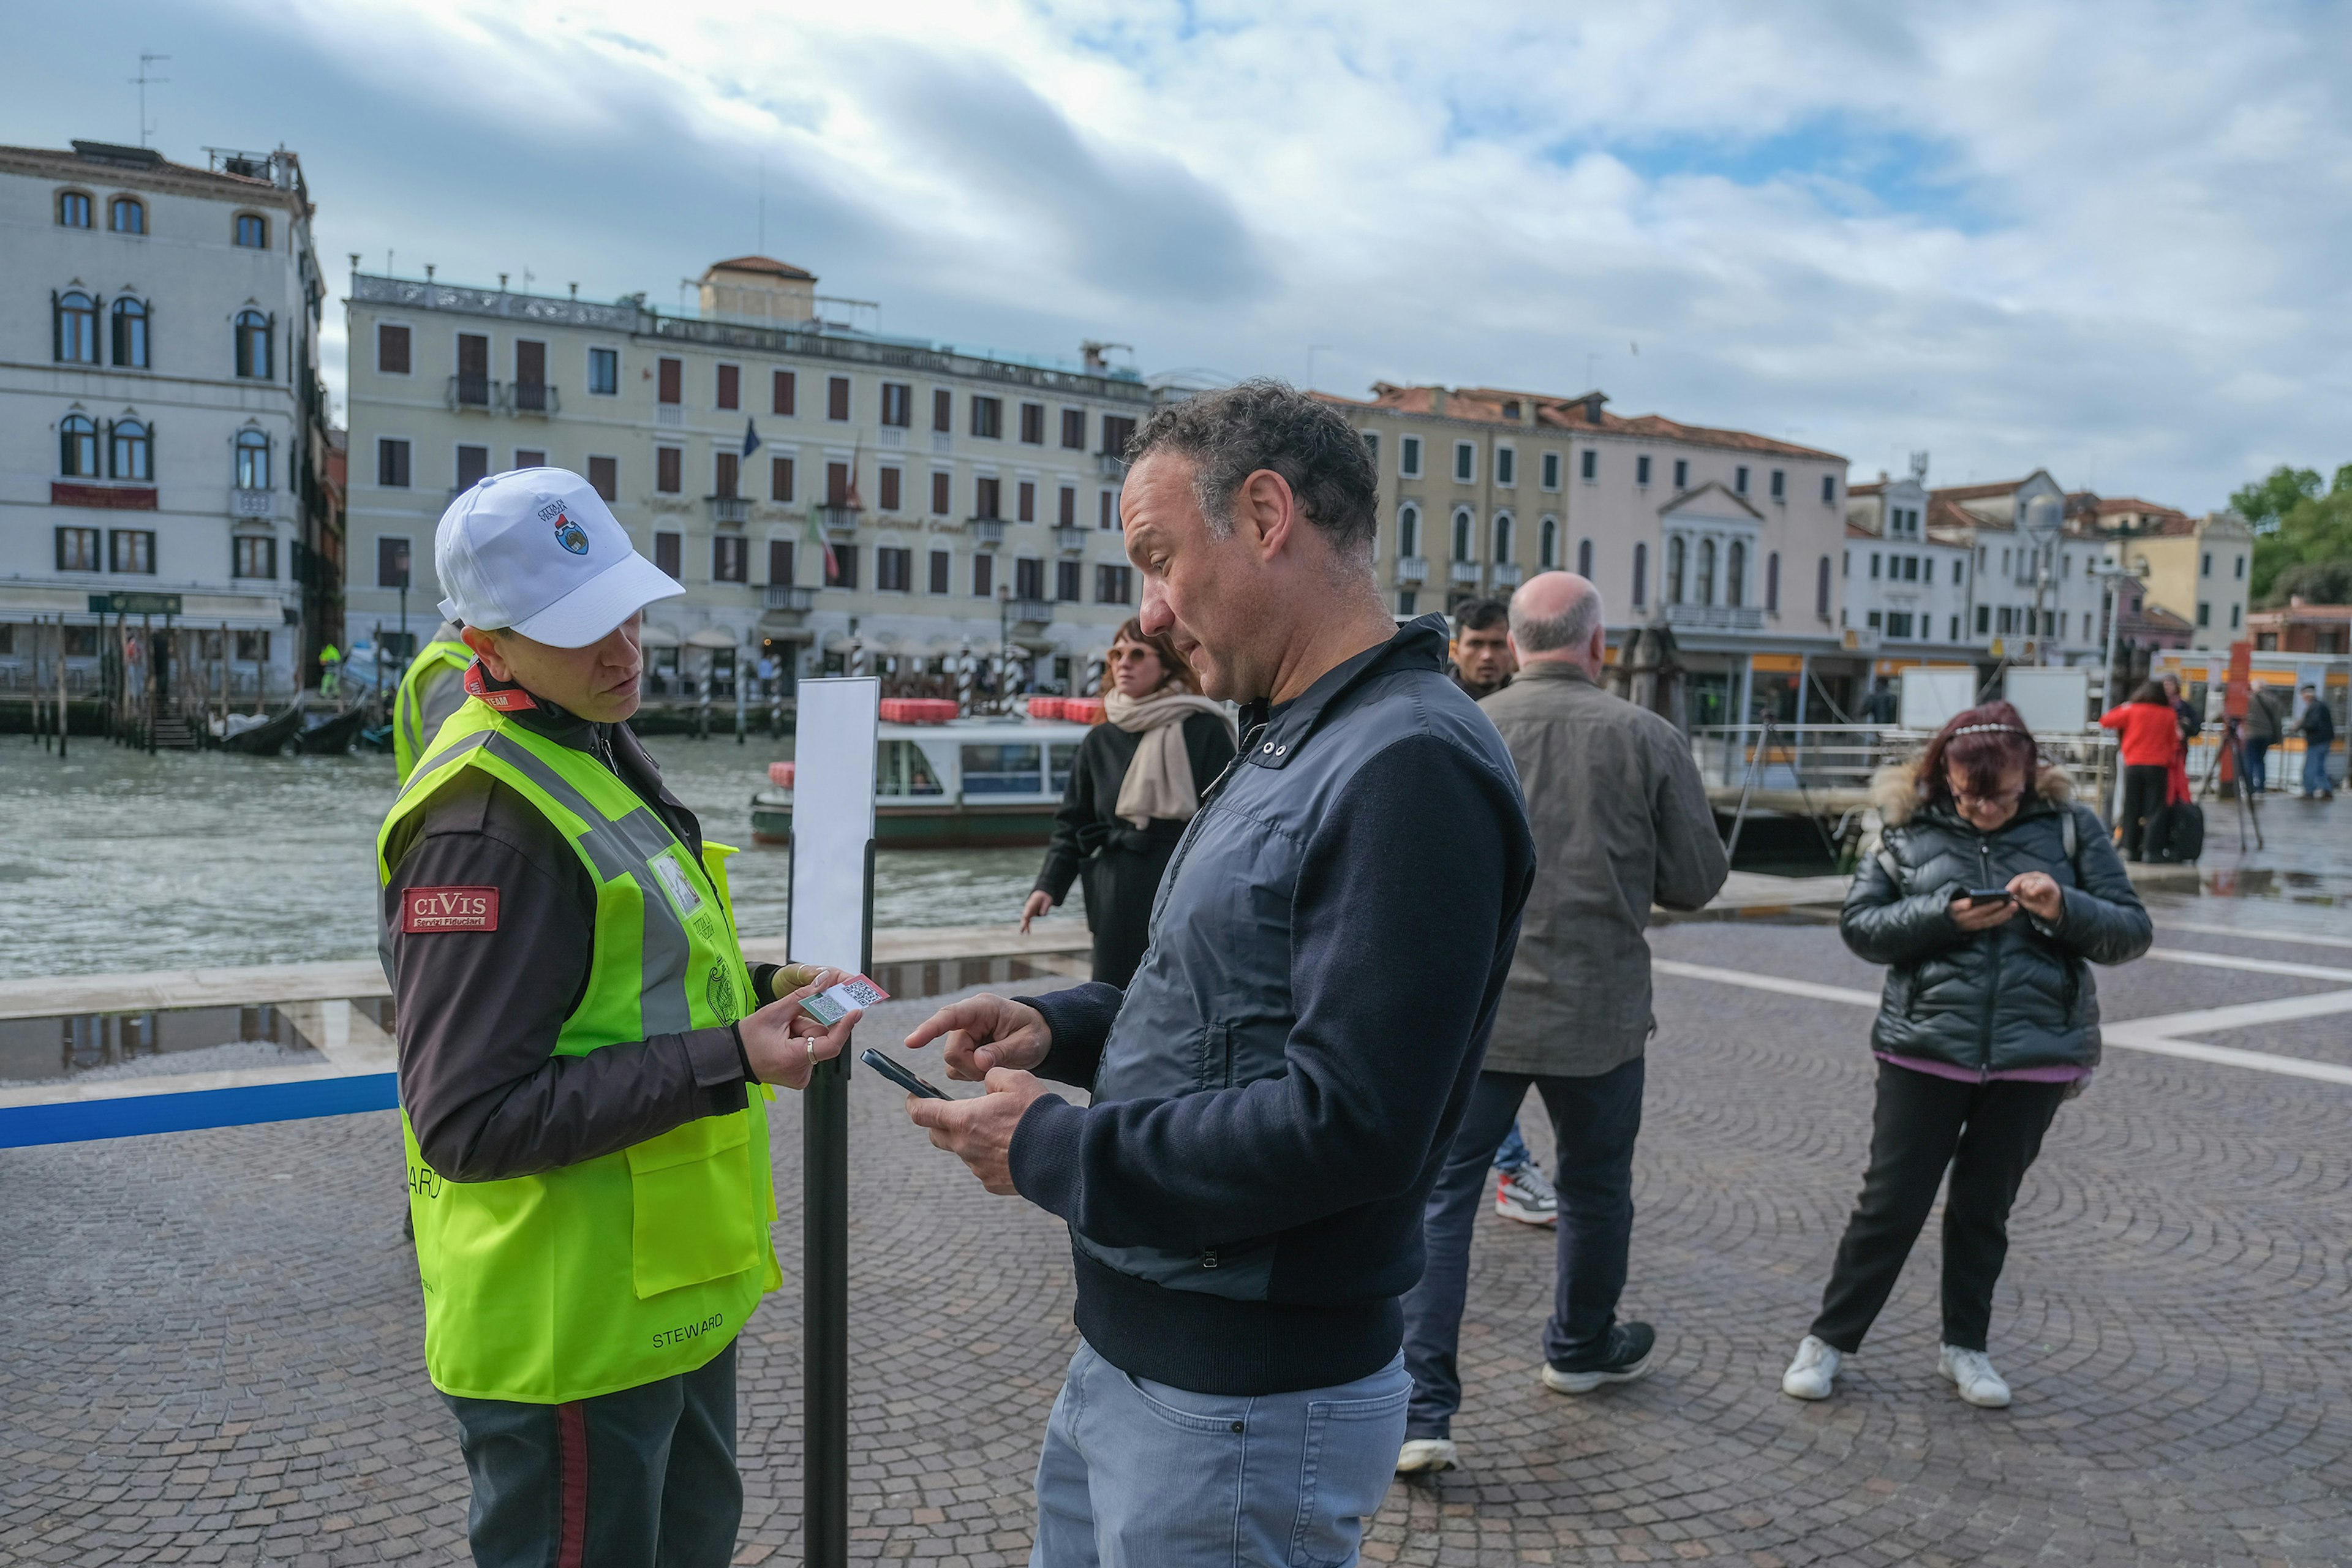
(2020,994)
(479,1011)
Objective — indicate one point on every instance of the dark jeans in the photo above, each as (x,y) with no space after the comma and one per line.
(1594,1123)
(642,1479)
(1989,1134)
(2144,787)
(2256,769)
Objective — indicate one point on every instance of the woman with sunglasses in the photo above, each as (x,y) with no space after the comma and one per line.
(1990,1018)
(1136,782)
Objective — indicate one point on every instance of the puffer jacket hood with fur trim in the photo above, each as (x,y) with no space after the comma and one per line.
(2019,994)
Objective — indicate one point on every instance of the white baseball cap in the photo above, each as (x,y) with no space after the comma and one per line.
(536,551)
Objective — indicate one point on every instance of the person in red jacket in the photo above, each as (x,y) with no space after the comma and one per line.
(2150,744)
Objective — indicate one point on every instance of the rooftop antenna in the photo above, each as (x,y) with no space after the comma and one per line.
(143,80)
(1919,466)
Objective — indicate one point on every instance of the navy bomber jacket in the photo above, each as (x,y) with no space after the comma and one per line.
(1274,1093)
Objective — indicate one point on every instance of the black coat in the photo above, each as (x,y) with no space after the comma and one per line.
(1122,864)
(2020,994)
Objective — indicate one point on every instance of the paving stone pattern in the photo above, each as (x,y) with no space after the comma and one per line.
(214,1347)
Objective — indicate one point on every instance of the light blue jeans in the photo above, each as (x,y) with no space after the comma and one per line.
(1138,1475)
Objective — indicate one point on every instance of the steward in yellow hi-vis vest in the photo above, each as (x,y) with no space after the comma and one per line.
(585,1060)
(430,691)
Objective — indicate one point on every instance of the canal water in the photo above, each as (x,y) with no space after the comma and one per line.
(114,860)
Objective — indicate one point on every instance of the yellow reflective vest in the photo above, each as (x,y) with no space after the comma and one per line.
(430,690)
(637,1265)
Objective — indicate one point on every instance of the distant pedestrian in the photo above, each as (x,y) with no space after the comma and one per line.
(1990,1019)
(1134,782)
(1481,662)
(2263,727)
(2151,745)
(2190,721)
(2316,726)
(1272,1095)
(1621,823)
(1881,706)
(1481,649)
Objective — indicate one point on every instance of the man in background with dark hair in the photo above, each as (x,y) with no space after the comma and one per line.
(1481,648)
(1274,1091)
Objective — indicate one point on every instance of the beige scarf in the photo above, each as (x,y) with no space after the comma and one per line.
(1159,781)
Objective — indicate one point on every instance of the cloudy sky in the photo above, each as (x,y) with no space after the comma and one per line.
(2107,239)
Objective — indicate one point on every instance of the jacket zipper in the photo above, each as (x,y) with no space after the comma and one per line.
(1992,985)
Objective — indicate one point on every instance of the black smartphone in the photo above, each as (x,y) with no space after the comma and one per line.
(900,1076)
(1989,896)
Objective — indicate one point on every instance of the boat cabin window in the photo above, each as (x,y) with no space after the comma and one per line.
(1061,753)
(903,770)
(1001,770)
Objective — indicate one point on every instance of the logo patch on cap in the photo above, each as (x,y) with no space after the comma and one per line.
(567,533)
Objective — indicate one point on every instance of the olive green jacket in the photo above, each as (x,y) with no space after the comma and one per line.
(1621,822)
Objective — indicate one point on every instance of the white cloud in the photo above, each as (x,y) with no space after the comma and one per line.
(2100,237)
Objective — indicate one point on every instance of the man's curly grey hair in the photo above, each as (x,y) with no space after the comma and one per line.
(1267,423)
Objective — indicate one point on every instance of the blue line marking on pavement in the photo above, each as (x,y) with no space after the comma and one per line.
(135,1115)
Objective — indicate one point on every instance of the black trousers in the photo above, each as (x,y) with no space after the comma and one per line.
(1989,1134)
(642,1479)
(2143,798)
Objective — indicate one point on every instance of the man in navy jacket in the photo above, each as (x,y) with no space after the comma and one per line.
(1273,1092)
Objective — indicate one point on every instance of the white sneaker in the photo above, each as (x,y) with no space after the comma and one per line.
(1525,1195)
(1814,1372)
(1426,1453)
(1972,1373)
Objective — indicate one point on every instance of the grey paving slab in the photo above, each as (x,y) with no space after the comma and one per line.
(214,1351)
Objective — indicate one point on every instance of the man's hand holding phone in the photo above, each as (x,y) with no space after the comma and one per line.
(993,1041)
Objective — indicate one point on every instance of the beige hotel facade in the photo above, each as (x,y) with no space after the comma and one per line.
(901,503)
(1729,539)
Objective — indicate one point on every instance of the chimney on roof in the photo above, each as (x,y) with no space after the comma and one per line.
(1593,401)
(1437,400)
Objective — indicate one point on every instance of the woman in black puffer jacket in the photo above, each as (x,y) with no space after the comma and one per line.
(1989,1019)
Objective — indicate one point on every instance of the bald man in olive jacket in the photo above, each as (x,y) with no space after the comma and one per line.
(1621,822)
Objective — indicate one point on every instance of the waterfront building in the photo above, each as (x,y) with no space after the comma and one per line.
(2301,627)
(162,426)
(2196,567)
(1904,591)
(1730,540)
(2032,598)
(834,499)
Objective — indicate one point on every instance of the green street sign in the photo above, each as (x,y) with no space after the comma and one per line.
(134,603)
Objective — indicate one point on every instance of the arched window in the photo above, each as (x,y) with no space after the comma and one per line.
(128,320)
(253,231)
(1502,536)
(1463,543)
(1706,584)
(1735,573)
(1547,543)
(76,328)
(253,353)
(1641,573)
(129,452)
(252,460)
(1584,558)
(126,215)
(1676,551)
(1409,531)
(73,209)
(77,447)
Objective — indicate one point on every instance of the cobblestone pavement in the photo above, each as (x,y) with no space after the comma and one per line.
(216,1349)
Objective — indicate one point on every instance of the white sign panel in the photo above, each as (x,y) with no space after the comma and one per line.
(1930,697)
(2052,699)
(833,819)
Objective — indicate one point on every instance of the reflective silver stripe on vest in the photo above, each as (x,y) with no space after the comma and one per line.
(428,769)
(617,847)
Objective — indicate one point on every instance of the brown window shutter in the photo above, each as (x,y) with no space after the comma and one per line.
(942,494)
(780,479)
(786,391)
(731,386)
(780,562)
(669,381)
(391,350)
(604,477)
